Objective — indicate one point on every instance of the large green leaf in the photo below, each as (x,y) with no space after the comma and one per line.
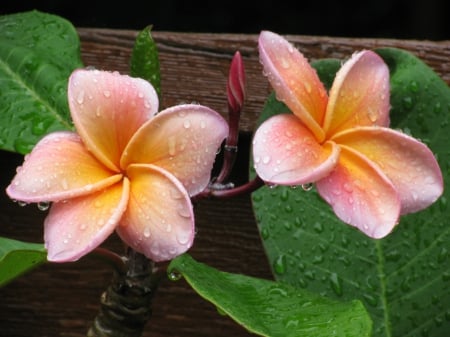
(404,279)
(145,60)
(273,309)
(17,257)
(38,51)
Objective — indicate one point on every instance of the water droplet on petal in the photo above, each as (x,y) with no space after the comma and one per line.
(183,237)
(21,203)
(43,206)
(307,187)
(107,93)
(266,160)
(147,232)
(80,97)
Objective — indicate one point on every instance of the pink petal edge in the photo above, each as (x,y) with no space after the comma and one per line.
(182,140)
(159,221)
(361,195)
(286,153)
(74,228)
(107,109)
(295,82)
(58,168)
(407,162)
(359,95)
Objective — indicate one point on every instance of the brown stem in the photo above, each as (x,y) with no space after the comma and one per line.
(126,304)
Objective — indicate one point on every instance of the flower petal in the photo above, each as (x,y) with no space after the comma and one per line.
(359,95)
(182,140)
(159,221)
(75,227)
(107,109)
(361,195)
(408,163)
(295,82)
(285,152)
(59,168)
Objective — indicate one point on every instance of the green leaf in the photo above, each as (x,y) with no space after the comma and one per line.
(38,52)
(18,257)
(145,60)
(273,309)
(404,278)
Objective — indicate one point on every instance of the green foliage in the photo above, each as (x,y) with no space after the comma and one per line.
(38,52)
(404,278)
(270,308)
(17,257)
(145,61)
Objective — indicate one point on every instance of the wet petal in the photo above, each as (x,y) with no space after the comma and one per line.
(75,227)
(295,82)
(182,140)
(59,168)
(359,95)
(361,195)
(285,152)
(159,221)
(107,109)
(408,163)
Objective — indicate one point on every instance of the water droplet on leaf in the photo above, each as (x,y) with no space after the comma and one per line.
(174,275)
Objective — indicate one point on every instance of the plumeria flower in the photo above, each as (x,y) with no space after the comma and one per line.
(369,173)
(127,168)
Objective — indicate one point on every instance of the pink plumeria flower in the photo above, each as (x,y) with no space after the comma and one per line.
(126,169)
(340,140)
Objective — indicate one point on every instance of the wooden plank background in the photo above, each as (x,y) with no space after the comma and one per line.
(62,299)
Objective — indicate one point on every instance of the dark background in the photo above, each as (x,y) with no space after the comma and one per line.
(400,19)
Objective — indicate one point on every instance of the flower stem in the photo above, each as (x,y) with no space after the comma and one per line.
(126,304)
(228,190)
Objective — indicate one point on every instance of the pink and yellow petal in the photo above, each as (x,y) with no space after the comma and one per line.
(159,221)
(107,108)
(286,153)
(408,163)
(295,82)
(361,195)
(75,227)
(182,140)
(59,168)
(359,95)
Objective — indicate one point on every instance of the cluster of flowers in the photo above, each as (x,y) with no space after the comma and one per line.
(133,169)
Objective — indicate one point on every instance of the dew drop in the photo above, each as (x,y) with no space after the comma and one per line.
(21,203)
(265,233)
(187,124)
(43,206)
(174,275)
(266,160)
(284,63)
(171,143)
(80,97)
(147,232)
(307,187)
(336,284)
(279,265)
(183,238)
